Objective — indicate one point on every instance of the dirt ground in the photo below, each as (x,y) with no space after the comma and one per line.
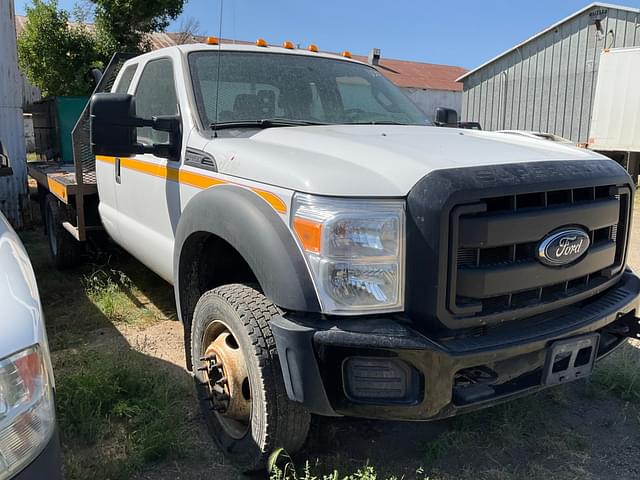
(568,432)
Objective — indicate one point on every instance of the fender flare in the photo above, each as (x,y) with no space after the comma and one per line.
(255,230)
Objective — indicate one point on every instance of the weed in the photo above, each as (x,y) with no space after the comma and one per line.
(107,290)
(125,406)
(281,467)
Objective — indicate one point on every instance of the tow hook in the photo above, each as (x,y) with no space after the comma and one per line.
(626,325)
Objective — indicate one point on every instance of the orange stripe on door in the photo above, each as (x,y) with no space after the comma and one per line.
(191,178)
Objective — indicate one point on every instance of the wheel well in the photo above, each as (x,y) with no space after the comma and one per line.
(207,261)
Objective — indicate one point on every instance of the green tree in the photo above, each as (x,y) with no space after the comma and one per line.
(123,25)
(54,54)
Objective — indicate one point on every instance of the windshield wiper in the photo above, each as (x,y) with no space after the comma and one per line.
(264,123)
(384,122)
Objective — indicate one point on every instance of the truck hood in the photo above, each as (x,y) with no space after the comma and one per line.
(375,160)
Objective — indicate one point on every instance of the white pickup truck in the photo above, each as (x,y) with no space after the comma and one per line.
(334,254)
(29,446)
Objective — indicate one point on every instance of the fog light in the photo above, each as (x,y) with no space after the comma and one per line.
(379,380)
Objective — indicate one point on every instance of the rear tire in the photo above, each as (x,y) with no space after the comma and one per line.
(65,250)
(230,324)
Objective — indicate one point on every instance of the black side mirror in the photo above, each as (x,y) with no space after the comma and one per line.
(114,123)
(5,164)
(446,117)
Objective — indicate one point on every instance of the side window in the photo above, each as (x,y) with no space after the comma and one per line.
(156,95)
(125,79)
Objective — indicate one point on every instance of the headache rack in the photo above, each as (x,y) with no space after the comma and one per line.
(75,184)
(494,274)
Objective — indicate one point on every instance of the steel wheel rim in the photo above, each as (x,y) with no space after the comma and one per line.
(226,379)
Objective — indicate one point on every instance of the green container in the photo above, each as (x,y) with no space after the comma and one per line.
(68,110)
(53,122)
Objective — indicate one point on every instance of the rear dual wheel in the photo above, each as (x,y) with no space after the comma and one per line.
(65,251)
(239,380)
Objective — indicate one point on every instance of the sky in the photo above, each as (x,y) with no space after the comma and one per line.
(463,33)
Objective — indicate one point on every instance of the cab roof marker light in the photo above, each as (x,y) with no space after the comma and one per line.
(313,48)
(288,45)
(212,41)
(261,42)
(346,54)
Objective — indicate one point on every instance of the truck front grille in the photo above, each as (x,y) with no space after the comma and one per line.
(494,272)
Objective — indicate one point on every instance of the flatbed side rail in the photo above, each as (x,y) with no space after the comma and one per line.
(84,161)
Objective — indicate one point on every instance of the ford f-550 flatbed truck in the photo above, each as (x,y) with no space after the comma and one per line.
(333,254)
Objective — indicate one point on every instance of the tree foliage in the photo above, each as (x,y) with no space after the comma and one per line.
(56,54)
(53,54)
(123,25)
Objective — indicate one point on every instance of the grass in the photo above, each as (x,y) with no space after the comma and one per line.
(116,414)
(115,295)
(118,410)
(619,375)
(118,290)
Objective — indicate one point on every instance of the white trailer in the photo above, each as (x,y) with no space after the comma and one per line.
(615,123)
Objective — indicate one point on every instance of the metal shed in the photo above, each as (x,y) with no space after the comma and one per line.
(13,189)
(547,82)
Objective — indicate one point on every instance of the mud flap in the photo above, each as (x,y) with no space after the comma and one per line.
(570,359)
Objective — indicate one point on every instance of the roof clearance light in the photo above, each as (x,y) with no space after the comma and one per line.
(313,48)
(212,41)
(346,54)
(261,42)
(287,44)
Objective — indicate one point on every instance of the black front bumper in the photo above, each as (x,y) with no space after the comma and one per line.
(313,355)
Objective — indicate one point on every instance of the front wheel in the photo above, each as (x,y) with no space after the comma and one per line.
(239,380)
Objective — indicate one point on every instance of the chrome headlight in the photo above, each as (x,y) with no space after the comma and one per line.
(27,413)
(355,250)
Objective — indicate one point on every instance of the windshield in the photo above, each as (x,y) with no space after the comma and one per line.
(258,86)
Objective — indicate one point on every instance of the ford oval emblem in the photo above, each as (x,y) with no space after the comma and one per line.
(563,247)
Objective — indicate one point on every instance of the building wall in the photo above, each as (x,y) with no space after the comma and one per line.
(429,100)
(13,189)
(548,84)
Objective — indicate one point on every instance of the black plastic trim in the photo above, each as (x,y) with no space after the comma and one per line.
(300,371)
(255,230)
(316,347)
(505,229)
(200,159)
(486,282)
(430,204)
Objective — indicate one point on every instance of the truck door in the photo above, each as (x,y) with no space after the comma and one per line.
(105,169)
(147,191)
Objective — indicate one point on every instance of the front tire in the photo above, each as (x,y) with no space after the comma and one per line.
(239,380)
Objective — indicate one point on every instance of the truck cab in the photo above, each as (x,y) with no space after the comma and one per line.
(332,253)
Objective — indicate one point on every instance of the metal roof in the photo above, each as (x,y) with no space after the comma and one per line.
(552,27)
(403,73)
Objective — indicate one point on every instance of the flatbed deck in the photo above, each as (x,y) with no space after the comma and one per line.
(60,179)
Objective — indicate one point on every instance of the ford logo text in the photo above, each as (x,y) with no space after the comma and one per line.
(563,247)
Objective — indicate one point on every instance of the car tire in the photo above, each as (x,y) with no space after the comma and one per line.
(65,251)
(231,326)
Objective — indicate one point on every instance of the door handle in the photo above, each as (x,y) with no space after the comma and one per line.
(117,170)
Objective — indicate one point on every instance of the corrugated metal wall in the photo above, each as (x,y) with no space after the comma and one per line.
(429,100)
(548,84)
(13,189)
